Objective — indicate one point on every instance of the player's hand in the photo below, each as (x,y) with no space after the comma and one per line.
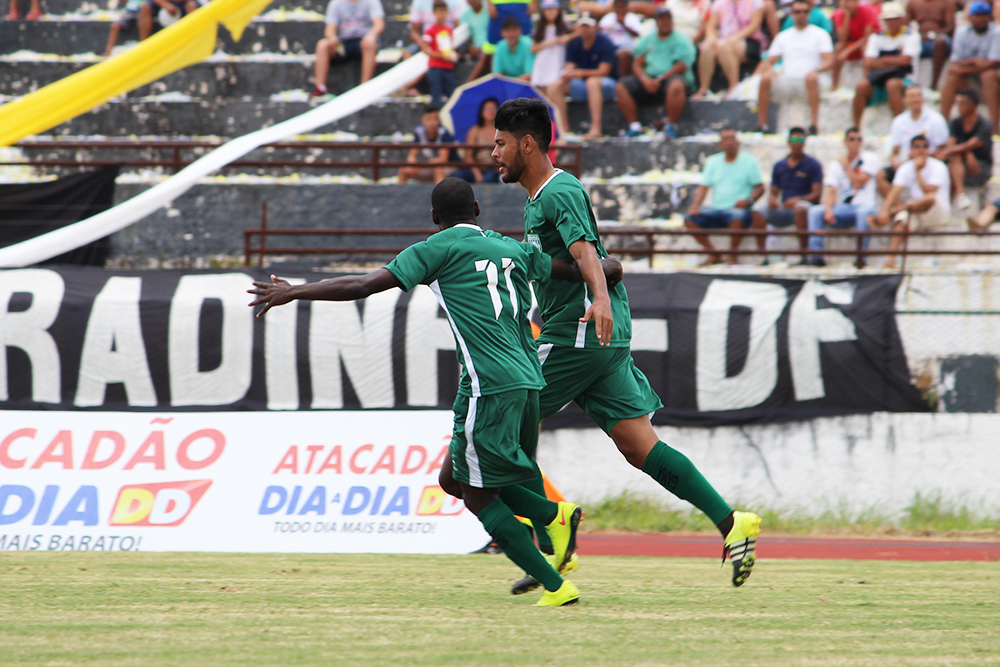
(613,271)
(604,321)
(274,293)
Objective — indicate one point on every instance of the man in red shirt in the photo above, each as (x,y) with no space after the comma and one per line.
(853,22)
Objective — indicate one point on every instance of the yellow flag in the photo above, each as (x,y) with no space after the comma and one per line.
(190,40)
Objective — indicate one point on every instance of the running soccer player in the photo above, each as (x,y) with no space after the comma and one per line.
(586,332)
(481,281)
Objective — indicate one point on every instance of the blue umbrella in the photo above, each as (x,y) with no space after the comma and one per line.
(462,110)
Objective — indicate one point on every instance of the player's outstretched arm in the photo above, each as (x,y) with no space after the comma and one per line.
(565,269)
(345,288)
(589,264)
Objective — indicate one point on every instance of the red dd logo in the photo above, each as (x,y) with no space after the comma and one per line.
(165,504)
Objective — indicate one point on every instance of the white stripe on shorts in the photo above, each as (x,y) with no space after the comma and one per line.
(471,458)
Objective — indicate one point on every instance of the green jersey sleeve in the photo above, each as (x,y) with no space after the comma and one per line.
(417,264)
(538,265)
(568,211)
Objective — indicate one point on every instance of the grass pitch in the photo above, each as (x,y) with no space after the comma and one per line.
(248,609)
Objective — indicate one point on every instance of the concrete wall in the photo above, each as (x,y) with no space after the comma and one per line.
(858,463)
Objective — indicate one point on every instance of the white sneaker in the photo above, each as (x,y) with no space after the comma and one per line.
(962,202)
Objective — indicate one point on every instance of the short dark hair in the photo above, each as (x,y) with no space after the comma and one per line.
(727,128)
(971,94)
(852,129)
(440,3)
(510,21)
(919,137)
(526,115)
(454,201)
(431,108)
(796,130)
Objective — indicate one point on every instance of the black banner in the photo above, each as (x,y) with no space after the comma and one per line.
(717,349)
(28,210)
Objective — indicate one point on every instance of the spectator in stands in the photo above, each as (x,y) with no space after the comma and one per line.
(513,56)
(151,8)
(816,18)
(849,196)
(128,17)
(34,11)
(732,36)
(661,72)
(689,17)
(796,185)
(477,18)
(976,55)
(549,48)
(981,223)
(429,132)
(926,181)
(498,11)
(805,51)
(734,180)
(623,29)
(422,17)
(889,60)
(481,134)
(917,119)
(352,30)
(936,19)
(854,24)
(438,45)
(590,73)
(969,150)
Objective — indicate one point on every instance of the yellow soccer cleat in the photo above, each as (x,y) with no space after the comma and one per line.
(562,532)
(741,542)
(529,583)
(567,594)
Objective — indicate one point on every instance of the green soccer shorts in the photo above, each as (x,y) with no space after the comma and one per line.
(495,438)
(603,381)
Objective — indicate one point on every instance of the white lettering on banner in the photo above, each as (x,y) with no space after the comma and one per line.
(230,381)
(808,326)
(280,357)
(426,333)
(759,376)
(649,335)
(28,330)
(113,349)
(338,333)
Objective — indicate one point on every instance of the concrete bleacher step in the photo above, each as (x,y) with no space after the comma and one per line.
(69,37)
(238,77)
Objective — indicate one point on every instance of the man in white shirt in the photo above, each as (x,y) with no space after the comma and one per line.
(848,195)
(889,57)
(928,184)
(917,119)
(623,29)
(805,50)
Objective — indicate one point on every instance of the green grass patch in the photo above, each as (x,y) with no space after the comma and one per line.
(124,609)
(632,513)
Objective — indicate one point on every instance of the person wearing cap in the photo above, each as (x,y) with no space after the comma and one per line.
(889,60)
(976,56)
(661,72)
(936,19)
(512,56)
(805,50)
(591,71)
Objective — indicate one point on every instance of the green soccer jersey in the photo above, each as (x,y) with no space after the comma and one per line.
(559,215)
(481,281)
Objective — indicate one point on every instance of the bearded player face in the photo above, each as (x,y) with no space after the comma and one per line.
(507,155)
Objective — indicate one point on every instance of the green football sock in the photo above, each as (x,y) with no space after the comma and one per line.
(510,536)
(529,504)
(675,473)
(537,486)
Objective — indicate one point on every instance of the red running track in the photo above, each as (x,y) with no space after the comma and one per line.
(703,546)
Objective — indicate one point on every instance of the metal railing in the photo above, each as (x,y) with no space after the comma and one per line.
(647,248)
(177,155)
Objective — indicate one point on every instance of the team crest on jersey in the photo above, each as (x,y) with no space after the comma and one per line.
(533,240)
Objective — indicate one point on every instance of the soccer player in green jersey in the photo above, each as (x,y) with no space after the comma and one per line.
(481,281)
(584,346)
